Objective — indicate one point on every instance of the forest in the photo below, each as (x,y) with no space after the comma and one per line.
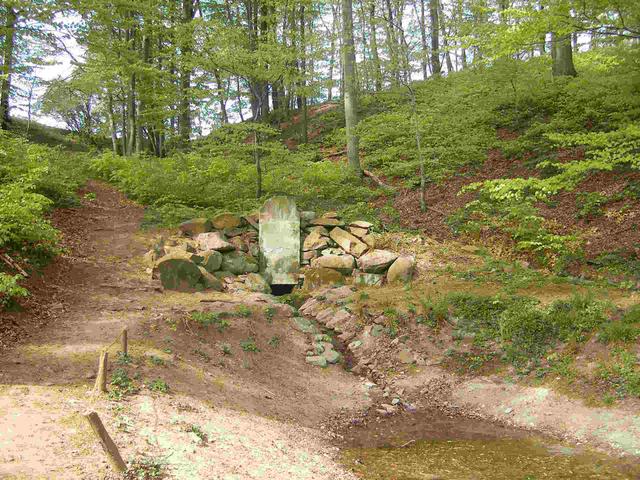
(496,143)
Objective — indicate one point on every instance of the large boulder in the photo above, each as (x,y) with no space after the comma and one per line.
(316,277)
(211,260)
(225,221)
(195,226)
(214,241)
(209,281)
(239,263)
(349,243)
(402,269)
(178,272)
(342,263)
(376,261)
(256,283)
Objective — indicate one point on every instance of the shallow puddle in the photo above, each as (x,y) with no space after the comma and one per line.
(428,447)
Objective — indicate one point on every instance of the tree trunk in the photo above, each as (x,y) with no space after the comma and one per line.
(375,57)
(350,92)
(132,114)
(185,77)
(436,67)
(239,99)
(562,55)
(112,120)
(443,31)
(332,58)
(7,64)
(423,40)
(221,97)
(392,44)
(303,83)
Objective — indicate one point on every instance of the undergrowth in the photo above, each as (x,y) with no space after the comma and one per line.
(34,179)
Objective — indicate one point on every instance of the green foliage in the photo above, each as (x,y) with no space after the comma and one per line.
(274,341)
(207,319)
(622,374)
(158,385)
(220,175)
(244,311)
(33,180)
(624,330)
(121,384)
(590,204)
(249,345)
(10,289)
(517,327)
(225,348)
(123,359)
(145,468)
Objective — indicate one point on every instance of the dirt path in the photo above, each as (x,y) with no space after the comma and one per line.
(226,412)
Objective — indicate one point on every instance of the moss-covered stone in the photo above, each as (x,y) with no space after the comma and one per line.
(315,277)
(257,283)
(211,260)
(209,281)
(178,272)
(195,226)
(225,221)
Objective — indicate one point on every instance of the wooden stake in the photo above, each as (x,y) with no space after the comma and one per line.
(101,378)
(124,342)
(107,443)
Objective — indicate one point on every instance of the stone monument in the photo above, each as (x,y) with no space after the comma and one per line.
(280,241)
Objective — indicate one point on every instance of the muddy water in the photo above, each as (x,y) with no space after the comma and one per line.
(428,446)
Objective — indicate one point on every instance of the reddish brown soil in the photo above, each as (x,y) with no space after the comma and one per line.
(63,281)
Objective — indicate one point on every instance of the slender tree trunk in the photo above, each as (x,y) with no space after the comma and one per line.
(256,158)
(332,58)
(123,139)
(423,39)
(112,121)
(7,64)
(221,97)
(303,83)
(436,67)
(239,99)
(392,44)
(132,115)
(146,55)
(185,77)
(443,31)
(562,55)
(375,57)
(350,91)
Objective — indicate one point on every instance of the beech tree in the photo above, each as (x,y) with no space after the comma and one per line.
(350,87)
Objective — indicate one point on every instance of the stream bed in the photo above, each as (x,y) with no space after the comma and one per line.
(430,446)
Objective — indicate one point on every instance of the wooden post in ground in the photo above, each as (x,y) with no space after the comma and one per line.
(107,443)
(124,345)
(101,378)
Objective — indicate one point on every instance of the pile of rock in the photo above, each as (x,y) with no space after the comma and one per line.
(210,254)
(224,253)
(333,249)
